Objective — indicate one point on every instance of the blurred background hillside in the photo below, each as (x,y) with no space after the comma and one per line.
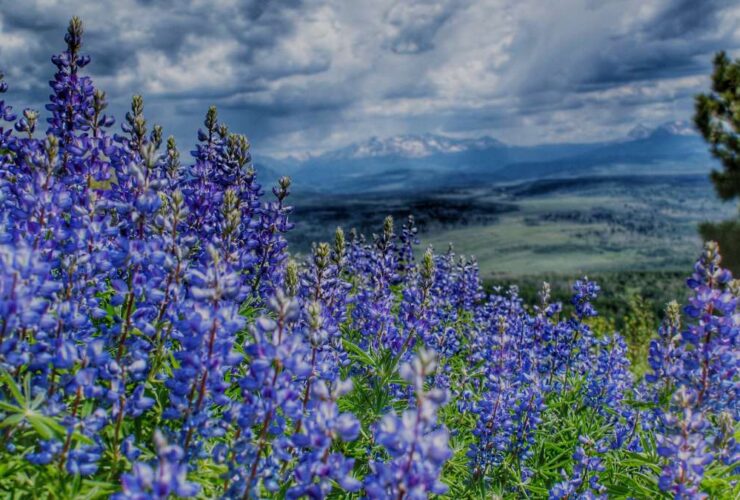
(568,209)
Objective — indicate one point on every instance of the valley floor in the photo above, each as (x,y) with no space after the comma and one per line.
(562,226)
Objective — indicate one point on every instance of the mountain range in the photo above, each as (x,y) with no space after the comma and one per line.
(419,163)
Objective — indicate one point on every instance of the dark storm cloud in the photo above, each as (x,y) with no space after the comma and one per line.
(680,18)
(299,75)
(673,42)
(416,23)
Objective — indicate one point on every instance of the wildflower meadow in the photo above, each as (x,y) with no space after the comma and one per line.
(158,340)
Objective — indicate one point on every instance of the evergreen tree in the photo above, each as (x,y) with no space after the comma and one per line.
(718,119)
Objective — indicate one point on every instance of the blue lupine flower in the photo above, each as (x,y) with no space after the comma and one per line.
(416,445)
(317,467)
(584,480)
(585,292)
(685,448)
(164,478)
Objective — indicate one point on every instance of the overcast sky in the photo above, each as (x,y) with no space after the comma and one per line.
(309,75)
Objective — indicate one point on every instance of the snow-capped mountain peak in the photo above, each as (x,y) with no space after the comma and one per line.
(678,127)
(415,146)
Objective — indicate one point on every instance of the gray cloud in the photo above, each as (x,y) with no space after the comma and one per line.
(299,75)
(414,24)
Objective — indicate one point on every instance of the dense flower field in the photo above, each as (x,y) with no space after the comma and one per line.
(157,340)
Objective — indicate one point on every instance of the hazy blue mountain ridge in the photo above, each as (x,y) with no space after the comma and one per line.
(418,163)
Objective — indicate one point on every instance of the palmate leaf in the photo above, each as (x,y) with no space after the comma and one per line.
(27,411)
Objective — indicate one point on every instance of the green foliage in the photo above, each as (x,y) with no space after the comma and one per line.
(639,327)
(25,413)
(718,119)
(18,477)
(727,234)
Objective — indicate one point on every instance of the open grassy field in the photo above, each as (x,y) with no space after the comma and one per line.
(579,229)
(572,226)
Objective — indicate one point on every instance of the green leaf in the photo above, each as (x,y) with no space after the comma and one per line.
(13,387)
(39,423)
(12,420)
(9,407)
(358,352)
